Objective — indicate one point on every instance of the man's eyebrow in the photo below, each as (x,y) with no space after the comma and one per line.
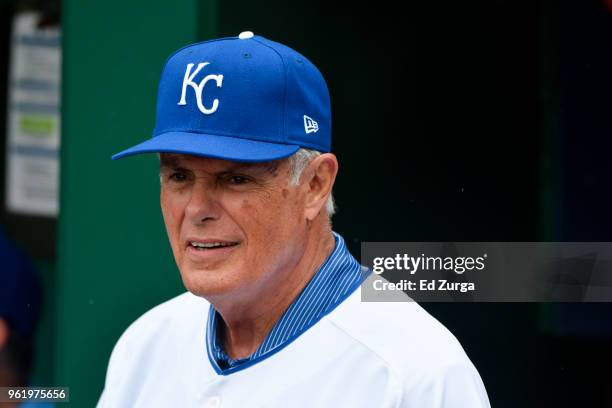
(169,161)
(270,167)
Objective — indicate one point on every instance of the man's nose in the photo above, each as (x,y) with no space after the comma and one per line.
(203,203)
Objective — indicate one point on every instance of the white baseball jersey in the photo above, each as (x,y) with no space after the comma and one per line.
(361,354)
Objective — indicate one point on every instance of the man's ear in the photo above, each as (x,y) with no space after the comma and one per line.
(4,333)
(320,178)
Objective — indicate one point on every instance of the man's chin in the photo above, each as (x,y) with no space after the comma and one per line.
(206,282)
(206,291)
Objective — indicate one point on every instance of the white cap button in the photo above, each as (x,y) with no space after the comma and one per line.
(246,35)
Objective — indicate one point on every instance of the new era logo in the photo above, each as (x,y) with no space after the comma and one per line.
(310,125)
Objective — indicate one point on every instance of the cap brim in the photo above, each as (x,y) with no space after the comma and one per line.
(218,147)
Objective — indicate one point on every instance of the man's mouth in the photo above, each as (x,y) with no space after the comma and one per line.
(207,246)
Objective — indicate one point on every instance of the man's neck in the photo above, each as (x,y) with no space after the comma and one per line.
(245,327)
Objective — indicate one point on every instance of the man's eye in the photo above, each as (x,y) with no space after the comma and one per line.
(238,180)
(177,177)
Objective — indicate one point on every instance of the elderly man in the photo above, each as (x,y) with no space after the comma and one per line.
(272,316)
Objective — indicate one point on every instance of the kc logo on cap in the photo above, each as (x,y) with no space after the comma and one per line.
(198,88)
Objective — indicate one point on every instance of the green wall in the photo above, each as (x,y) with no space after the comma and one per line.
(114,261)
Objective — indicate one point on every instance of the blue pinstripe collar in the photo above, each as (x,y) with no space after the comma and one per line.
(337,278)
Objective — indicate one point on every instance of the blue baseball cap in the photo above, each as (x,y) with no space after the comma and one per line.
(242,98)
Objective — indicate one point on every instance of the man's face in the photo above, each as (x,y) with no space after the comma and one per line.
(233,227)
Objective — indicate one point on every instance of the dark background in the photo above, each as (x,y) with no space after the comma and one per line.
(452,121)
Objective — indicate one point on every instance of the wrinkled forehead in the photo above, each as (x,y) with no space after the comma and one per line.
(209,164)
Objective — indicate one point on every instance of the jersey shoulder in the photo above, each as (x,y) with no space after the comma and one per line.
(153,343)
(423,356)
(164,327)
(397,332)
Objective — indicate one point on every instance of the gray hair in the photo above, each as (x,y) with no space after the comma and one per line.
(298,163)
